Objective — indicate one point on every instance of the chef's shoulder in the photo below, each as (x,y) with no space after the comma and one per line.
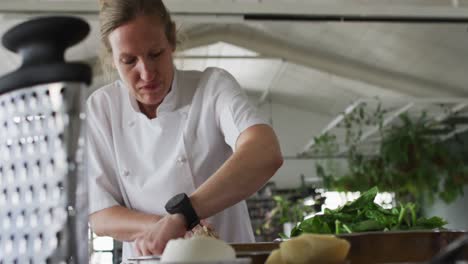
(104,100)
(216,81)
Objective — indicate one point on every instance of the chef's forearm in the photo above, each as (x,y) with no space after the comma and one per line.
(255,161)
(121,223)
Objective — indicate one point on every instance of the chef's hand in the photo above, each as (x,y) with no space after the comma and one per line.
(199,230)
(154,239)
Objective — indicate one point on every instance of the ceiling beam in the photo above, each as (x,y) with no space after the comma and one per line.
(265,45)
(270,47)
(223,57)
(399,8)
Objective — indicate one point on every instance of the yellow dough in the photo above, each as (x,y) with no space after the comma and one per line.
(312,248)
(275,258)
(296,251)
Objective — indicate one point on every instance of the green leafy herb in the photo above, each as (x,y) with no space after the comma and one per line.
(363,215)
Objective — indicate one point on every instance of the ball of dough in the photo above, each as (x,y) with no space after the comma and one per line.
(328,248)
(312,248)
(198,249)
(275,258)
(296,251)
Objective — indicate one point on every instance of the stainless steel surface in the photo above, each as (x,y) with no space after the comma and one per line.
(156,257)
(43,196)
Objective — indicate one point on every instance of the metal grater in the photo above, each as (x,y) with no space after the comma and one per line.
(43,193)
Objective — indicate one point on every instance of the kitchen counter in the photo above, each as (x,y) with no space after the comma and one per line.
(374,247)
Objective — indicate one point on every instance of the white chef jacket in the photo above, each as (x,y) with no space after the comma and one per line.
(141,163)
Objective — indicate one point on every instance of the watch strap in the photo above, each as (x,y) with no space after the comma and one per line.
(180,204)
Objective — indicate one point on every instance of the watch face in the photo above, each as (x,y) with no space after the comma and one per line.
(174,202)
(180,204)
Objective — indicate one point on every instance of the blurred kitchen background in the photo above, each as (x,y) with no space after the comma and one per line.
(360,93)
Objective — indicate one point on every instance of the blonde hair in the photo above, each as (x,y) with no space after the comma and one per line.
(115,13)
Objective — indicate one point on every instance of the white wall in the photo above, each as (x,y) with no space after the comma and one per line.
(294,128)
(455,213)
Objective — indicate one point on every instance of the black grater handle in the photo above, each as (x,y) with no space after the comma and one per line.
(42,43)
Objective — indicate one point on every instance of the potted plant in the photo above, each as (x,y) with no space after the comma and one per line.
(410,162)
(287,213)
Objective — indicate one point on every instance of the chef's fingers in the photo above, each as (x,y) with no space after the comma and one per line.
(156,248)
(196,229)
(137,247)
(142,247)
(188,234)
(208,226)
(145,250)
(205,222)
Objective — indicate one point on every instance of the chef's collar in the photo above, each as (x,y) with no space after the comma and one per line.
(168,104)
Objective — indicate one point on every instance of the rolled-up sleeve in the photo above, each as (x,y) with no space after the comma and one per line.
(234,112)
(104,190)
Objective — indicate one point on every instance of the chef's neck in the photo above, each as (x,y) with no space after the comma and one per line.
(148,110)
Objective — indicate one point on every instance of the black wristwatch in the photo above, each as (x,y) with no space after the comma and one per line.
(180,204)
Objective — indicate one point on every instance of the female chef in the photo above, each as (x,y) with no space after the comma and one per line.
(166,148)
